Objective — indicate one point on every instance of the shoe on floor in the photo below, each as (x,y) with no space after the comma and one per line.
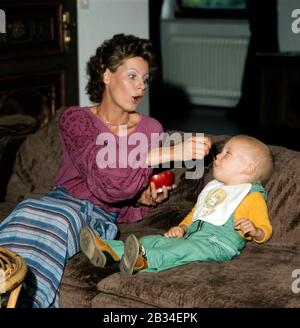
(95,249)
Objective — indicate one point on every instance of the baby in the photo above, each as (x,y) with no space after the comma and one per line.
(230,210)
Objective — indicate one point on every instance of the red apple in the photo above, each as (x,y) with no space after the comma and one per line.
(163,179)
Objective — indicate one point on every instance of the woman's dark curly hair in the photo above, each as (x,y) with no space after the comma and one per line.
(112,54)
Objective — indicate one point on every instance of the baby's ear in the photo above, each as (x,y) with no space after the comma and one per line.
(249,169)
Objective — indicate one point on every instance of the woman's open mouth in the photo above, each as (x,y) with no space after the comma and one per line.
(137,99)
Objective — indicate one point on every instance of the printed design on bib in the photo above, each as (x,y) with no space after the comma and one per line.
(217,202)
(212,200)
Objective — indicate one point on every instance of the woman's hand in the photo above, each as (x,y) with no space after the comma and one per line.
(151,198)
(193,148)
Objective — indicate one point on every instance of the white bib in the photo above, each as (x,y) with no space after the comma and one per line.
(217,201)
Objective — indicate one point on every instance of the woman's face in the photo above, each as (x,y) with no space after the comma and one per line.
(126,87)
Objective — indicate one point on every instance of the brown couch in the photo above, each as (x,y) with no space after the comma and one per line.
(260,277)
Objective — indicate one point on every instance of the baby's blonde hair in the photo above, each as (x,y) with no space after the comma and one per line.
(261,155)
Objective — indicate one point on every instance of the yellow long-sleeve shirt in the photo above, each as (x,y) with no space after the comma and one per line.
(252,207)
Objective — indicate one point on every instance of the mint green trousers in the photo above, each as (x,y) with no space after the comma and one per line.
(203,242)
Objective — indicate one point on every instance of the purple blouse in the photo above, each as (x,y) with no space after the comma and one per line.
(113,189)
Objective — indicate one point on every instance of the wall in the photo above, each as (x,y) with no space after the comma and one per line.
(101,19)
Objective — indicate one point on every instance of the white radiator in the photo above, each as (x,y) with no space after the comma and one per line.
(205,59)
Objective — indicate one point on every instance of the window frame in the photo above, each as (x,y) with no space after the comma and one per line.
(210,13)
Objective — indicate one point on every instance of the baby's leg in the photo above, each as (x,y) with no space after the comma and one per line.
(164,253)
(116,245)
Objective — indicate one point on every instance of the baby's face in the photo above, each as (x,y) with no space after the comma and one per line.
(231,162)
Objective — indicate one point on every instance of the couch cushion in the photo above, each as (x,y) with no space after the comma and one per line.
(157,220)
(283,197)
(79,282)
(36,164)
(260,277)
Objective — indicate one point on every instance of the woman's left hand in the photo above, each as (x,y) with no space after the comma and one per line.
(151,198)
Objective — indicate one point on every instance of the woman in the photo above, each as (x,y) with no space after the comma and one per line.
(98,183)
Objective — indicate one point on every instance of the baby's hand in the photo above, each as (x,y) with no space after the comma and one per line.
(246,227)
(176,231)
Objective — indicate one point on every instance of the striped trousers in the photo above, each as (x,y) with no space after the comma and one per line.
(45,232)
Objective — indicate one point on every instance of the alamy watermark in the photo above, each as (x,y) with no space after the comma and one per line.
(296,23)
(2,21)
(132,151)
(296,283)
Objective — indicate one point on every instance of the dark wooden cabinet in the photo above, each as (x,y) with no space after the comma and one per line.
(279,90)
(38,57)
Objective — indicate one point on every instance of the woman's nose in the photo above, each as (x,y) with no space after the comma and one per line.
(142,85)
